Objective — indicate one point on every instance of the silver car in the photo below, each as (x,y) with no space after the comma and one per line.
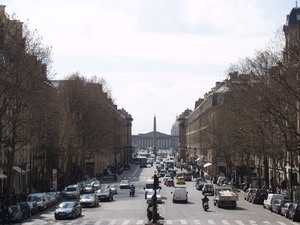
(113,188)
(89,200)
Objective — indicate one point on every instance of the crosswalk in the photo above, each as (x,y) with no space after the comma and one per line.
(165,222)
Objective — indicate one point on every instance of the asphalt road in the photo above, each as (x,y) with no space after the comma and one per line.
(125,210)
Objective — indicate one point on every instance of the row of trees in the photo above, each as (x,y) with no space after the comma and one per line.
(46,125)
(259,119)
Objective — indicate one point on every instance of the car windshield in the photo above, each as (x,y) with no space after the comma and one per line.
(149,186)
(71,189)
(34,198)
(124,182)
(90,196)
(66,205)
(104,190)
(14,208)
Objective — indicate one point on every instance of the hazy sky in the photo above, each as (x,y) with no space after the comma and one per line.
(157,56)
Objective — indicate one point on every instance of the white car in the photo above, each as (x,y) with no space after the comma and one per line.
(124,184)
(167,176)
(158,196)
(180,194)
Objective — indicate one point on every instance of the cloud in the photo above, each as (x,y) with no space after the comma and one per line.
(159,56)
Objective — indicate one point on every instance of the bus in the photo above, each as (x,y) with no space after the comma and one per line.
(143,162)
(169,164)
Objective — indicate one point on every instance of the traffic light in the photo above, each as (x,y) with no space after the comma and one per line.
(155,183)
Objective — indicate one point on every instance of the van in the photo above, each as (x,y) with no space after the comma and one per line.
(72,191)
(187,176)
(42,200)
(148,186)
(180,194)
(220,179)
(271,198)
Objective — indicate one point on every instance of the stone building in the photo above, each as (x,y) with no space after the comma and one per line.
(157,139)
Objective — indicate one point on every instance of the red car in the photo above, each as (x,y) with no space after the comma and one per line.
(169,182)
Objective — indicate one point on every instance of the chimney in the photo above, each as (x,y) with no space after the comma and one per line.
(2,9)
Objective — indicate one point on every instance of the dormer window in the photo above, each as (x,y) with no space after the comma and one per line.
(298,17)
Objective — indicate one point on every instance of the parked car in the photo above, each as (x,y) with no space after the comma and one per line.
(89,200)
(41,199)
(180,194)
(258,196)
(158,196)
(33,207)
(53,198)
(248,193)
(124,184)
(25,209)
(285,210)
(105,194)
(16,214)
(208,189)
(270,199)
(295,212)
(277,205)
(113,188)
(69,209)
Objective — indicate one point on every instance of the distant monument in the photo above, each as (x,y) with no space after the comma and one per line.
(154,137)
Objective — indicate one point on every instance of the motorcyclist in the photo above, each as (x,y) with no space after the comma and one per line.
(205,199)
(132,187)
(132,190)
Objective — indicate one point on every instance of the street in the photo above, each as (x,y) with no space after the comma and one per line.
(125,210)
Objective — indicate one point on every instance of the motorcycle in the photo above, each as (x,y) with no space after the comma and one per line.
(131,192)
(205,206)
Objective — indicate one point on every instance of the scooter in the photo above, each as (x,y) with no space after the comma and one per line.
(131,192)
(205,206)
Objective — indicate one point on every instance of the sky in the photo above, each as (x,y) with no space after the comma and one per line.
(157,56)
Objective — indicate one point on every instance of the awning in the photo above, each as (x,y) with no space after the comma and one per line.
(207,164)
(2,176)
(19,170)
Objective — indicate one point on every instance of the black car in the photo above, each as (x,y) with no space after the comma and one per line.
(200,184)
(25,209)
(295,212)
(258,196)
(66,210)
(105,194)
(208,189)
